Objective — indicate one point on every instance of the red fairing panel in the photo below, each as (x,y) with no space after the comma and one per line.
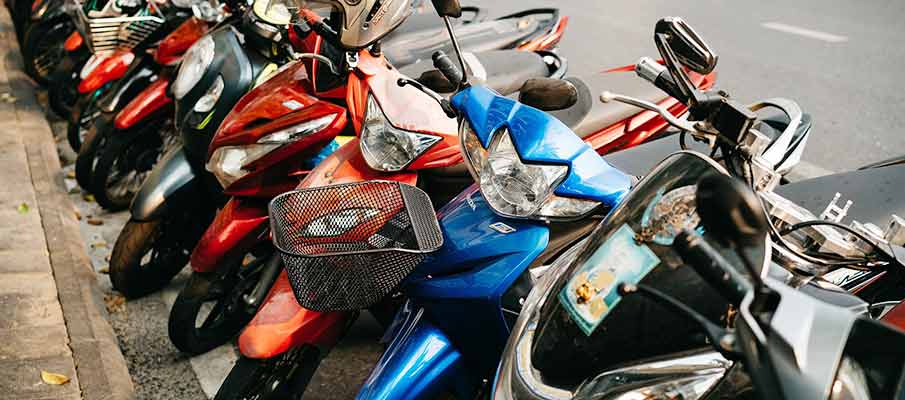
(173,46)
(73,42)
(150,100)
(239,225)
(110,69)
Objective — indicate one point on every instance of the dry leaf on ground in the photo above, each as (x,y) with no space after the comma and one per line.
(105,271)
(51,378)
(70,174)
(115,302)
(95,221)
(22,208)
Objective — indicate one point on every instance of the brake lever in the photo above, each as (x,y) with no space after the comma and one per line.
(607,97)
(444,103)
(321,58)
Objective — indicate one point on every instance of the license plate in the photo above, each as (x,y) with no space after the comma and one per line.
(592,292)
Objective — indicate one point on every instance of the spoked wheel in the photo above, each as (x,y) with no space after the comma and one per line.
(212,307)
(282,377)
(81,119)
(42,46)
(123,163)
(147,255)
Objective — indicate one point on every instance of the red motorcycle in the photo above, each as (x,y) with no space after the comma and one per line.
(266,146)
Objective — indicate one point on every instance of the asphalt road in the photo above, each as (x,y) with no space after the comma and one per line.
(841,60)
(843,64)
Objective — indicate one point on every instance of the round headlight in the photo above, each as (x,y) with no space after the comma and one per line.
(196,60)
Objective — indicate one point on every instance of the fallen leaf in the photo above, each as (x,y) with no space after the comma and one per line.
(98,244)
(88,197)
(70,174)
(75,190)
(115,302)
(95,222)
(105,271)
(107,258)
(7,97)
(51,378)
(22,208)
(78,215)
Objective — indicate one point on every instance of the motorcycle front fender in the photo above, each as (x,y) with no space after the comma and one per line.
(420,362)
(110,69)
(172,180)
(239,225)
(282,324)
(152,99)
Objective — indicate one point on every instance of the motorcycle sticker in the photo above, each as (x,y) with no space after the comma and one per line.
(592,291)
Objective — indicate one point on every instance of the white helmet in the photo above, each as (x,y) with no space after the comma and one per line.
(358,23)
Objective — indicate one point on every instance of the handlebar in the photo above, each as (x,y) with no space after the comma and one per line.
(653,72)
(450,71)
(711,266)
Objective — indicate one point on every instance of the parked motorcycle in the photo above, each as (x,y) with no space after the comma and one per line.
(127,141)
(172,191)
(562,347)
(43,36)
(240,227)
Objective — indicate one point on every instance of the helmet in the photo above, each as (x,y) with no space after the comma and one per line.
(360,23)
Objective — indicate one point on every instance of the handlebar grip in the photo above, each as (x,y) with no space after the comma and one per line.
(710,265)
(446,67)
(657,74)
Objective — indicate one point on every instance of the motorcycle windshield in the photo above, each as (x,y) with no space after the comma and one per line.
(588,327)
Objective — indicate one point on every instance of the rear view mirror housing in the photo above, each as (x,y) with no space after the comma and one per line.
(548,94)
(448,8)
(687,46)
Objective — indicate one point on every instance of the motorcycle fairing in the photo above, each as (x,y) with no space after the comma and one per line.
(420,362)
(461,286)
(405,107)
(150,100)
(73,42)
(589,176)
(171,49)
(141,73)
(172,177)
(111,68)
(239,225)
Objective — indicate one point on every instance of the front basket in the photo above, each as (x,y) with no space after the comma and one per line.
(347,246)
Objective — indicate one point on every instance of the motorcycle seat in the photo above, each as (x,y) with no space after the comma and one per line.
(601,115)
(501,70)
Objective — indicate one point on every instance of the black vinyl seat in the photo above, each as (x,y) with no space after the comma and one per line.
(501,70)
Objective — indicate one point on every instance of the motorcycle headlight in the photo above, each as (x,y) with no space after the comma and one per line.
(516,189)
(387,148)
(196,60)
(206,103)
(229,163)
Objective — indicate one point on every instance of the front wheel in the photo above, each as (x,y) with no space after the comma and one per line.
(212,308)
(81,118)
(148,254)
(285,376)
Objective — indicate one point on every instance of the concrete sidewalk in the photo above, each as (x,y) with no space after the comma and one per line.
(52,316)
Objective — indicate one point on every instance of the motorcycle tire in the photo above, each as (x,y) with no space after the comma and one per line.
(167,241)
(226,288)
(42,47)
(125,159)
(285,376)
(87,157)
(21,15)
(81,118)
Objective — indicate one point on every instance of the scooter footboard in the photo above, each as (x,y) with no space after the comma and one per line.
(421,362)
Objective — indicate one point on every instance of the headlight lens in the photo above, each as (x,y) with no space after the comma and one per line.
(196,60)
(387,148)
(851,382)
(515,189)
(228,163)
(206,103)
(339,223)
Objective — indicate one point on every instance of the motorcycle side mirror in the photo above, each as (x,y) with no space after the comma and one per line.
(448,8)
(730,211)
(687,46)
(548,94)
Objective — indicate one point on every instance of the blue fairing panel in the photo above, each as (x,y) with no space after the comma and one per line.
(541,138)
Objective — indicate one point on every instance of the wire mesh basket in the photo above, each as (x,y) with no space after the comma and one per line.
(346,247)
(104,35)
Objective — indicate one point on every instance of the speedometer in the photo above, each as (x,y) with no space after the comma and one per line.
(668,214)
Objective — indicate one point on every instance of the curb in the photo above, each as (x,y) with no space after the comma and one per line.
(100,366)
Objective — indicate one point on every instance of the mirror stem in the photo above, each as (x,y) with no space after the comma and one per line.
(455,43)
